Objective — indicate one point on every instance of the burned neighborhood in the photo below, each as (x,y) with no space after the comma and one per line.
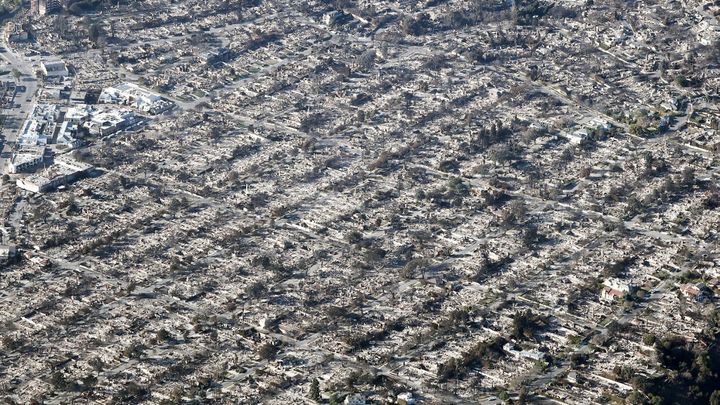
(360,202)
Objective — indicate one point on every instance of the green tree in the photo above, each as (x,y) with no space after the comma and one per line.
(649,339)
(523,396)
(268,351)
(682,81)
(89,381)
(715,398)
(94,33)
(335,399)
(314,393)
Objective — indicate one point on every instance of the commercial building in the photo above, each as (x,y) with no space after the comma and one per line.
(39,128)
(63,170)
(135,96)
(25,159)
(110,121)
(16,32)
(78,97)
(67,135)
(56,68)
(37,131)
(99,121)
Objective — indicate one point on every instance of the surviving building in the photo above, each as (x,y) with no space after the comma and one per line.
(63,170)
(55,68)
(135,96)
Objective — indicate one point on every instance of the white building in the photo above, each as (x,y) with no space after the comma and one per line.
(135,96)
(101,121)
(79,113)
(25,159)
(356,399)
(517,352)
(64,170)
(67,134)
(34,135)
(331,17)
(56,68)
(110,121)
(614,288)
(406,398)
(40,125)
(7,252)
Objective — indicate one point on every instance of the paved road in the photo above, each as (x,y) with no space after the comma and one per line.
(26,99)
